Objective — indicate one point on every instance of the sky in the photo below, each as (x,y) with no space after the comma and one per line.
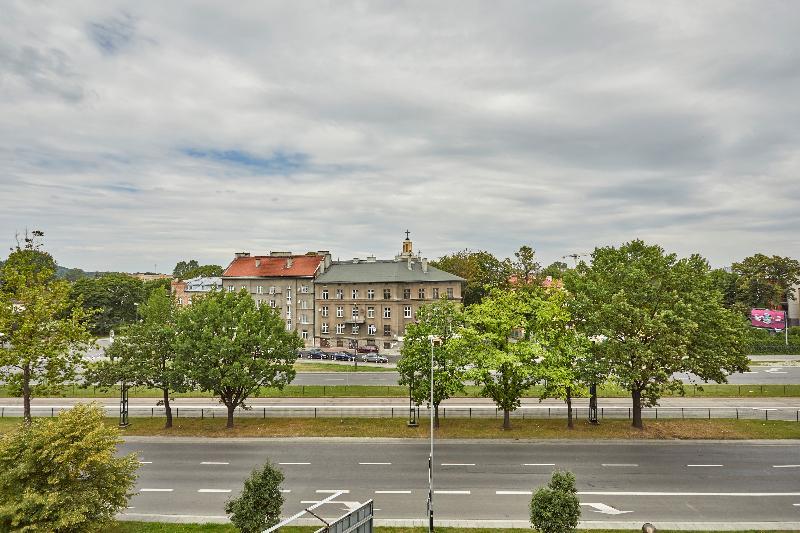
(138,134)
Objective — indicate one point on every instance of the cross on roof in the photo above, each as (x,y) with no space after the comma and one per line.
(407,232)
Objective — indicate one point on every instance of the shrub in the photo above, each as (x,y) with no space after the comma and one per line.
(259,505)
(61,474)
(555,508)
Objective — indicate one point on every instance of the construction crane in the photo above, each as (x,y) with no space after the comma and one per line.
(575,257)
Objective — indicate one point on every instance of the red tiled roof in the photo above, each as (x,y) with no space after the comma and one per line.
(301,265)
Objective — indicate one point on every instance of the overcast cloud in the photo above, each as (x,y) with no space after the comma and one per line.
(143,133)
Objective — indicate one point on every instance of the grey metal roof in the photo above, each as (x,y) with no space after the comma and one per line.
(201,284)
(386,271)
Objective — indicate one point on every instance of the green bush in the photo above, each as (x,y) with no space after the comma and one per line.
(62,474)
(555,508)
(259,505)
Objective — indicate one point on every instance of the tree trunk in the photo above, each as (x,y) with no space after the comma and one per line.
(570,425)
(436,416)
(167,410)
(506,419)
(231,409)
(636,396)
(26,393)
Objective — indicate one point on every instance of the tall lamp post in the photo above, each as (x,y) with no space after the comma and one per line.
(434,341)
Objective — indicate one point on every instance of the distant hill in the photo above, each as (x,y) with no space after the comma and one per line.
(71,274)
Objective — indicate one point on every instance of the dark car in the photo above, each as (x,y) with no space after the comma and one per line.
(374,358)
(343,356)
(316,353)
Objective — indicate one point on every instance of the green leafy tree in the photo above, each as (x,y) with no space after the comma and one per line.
(497,341)
(482,270)
(205,271)
(229,346)
(659,315)
(44,336)
(163,285)
(259,505)
(63,474)
(112,298)
(556,508)
(441,320)
(182,267)
(555,270)
(764,281)
(145,353)
(524,267)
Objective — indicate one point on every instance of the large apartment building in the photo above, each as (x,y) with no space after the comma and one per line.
(370,301)
(283,281)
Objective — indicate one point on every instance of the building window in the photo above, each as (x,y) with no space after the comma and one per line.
(324,311)
(355,311)
(244,287)
(371,329)
(387,330)
(436,293)
(303,304)
(272,304)
(406,294)
(272,290)
(304,334)
(370,294)
(407,311)
(339,311)
(355,329)
(387,294)
(324,294)
(230,288)
(288,312)
(449,292)
(387,312)
(355,294)
(288,324)
(339,294)
(339,329)
(180,301)
(325,328)
(370,312)
(304,289)
(422,293)
(304,319)
(260,289)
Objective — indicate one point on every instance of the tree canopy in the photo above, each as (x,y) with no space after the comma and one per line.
(113,298)
(764,281)
(192,269)
(482,270)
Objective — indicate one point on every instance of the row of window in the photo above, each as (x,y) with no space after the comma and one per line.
(387,294)
(371,329)
(387,312)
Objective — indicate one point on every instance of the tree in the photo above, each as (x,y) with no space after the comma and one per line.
(145,352)
(112,297)
(482,270)
(441,320)
(63,474)
(556,508)
(44,336)
(229,346)
(765,281)
(259,505)
(183,267)
(555,270)
(204,271)
(659,315)
(525,268)
(163,285)
(498,340)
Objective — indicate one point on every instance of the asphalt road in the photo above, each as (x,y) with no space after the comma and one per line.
(478,480)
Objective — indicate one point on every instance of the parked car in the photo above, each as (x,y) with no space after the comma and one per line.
(374,358)
(343,356)
(367,348)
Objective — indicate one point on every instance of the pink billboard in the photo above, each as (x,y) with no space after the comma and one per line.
(768,318)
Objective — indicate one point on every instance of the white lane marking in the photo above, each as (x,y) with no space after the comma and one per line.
(392,492)
(785,466)
(704,465)
(334,379)
(294,463)
(452,492)
(214,490)
(750,372)
(619,464)
(513,492)
(374,463)
(155,490)
(332,491)
(213,463)
(538,464)
(605,509)
(286,490)
(131,507)
(458,464)
(725,494)
(145,462)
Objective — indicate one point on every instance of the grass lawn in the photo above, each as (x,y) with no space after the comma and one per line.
(456,428)
(152,527)
(382,391)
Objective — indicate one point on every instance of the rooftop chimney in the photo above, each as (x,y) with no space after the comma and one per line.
(280,254)
(258,262)
(241,254)
(424,265)
(289,262)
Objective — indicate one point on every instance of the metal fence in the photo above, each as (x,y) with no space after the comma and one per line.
(450,411)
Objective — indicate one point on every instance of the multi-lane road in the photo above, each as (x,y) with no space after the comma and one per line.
(633,482)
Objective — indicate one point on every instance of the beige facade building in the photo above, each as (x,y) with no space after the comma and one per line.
(282,281)
(370,301)
(185,291)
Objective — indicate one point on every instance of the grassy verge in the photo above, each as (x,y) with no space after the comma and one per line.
(341,367)
(152,527)
(456,428)
(392,391)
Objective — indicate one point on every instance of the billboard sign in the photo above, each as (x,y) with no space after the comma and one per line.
(768,318)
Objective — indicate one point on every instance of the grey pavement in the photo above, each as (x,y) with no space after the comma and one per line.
(724,484)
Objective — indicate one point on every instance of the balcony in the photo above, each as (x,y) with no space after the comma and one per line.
(355,320)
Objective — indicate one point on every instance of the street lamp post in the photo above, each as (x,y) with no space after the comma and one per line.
(433,340)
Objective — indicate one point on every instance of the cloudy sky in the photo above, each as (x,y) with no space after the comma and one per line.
(141,133)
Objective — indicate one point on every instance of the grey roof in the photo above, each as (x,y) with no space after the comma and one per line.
(382,272)
(201,284)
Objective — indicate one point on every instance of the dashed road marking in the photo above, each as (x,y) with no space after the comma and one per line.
(785,466)
(538,464)
(155,490)
(374,463)
(145,462)
(333,491)
(286,490)
(294,464)
(214,463)
(452,492)
(513,492)
(458,464)
(214,490)
(392,492)
(619,464)
(704,465)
